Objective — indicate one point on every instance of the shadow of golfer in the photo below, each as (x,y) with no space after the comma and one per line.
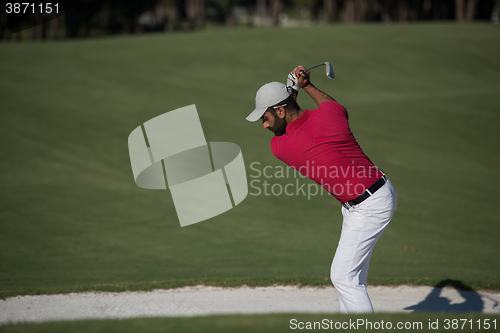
(436,303)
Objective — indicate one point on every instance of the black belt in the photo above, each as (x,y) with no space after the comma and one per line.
(368,193)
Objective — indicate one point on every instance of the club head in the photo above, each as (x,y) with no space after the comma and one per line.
(329,70)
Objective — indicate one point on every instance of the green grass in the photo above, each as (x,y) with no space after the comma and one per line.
(272,323)
(423,103)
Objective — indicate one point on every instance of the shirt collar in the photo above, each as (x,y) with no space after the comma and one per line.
(299,121)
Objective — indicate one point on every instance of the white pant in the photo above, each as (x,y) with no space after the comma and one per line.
(362,226)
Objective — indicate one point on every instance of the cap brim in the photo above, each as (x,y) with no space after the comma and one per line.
(256,114)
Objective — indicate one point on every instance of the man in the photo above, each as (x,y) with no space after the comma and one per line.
(319,144)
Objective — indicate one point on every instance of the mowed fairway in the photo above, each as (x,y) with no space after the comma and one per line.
(423,101)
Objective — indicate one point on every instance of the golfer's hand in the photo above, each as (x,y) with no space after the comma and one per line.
(303,79)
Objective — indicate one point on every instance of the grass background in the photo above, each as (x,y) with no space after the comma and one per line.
(423,101)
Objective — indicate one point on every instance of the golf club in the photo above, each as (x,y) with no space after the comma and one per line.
(329,69)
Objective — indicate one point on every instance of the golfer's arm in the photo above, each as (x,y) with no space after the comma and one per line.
(317,95)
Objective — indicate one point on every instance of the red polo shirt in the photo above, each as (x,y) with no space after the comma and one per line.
(320,145)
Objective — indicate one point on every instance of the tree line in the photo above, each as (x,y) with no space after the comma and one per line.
(88,18)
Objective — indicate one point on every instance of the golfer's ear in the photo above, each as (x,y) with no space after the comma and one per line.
(281,112)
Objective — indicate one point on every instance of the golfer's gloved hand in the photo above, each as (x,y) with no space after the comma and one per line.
(303,78)
(291,81)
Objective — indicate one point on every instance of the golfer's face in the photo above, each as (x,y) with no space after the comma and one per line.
(268,121)
(274,123)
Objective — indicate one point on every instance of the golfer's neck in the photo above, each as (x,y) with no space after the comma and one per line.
(294,116)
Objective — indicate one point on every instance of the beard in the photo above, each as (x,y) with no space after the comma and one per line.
(279,127)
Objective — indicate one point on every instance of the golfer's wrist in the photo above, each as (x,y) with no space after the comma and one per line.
(307,87)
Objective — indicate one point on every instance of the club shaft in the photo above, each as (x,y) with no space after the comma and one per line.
(305,70)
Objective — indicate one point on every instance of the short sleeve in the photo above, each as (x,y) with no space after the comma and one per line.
(335,107)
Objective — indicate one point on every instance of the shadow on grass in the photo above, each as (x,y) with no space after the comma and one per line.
(434,302)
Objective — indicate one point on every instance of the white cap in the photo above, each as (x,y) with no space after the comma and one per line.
(268,95)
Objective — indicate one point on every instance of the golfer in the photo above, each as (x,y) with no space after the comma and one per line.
(320,145)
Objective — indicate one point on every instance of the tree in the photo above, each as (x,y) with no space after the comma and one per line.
(276,7)
(225,8)
(195,12)
(261,8)
(329,10)
(465,12)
